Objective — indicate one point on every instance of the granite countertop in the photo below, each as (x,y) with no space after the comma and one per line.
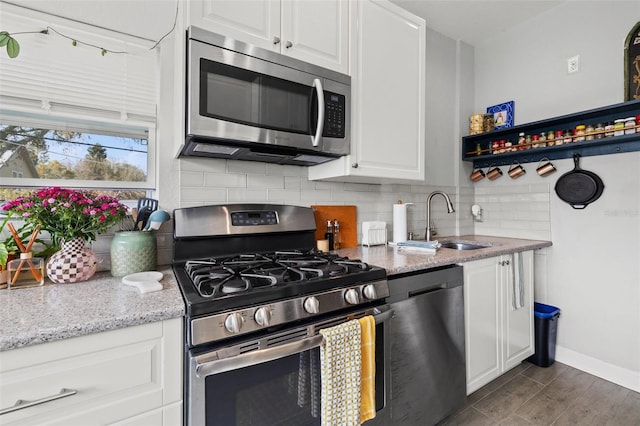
(58,311)
(398,261)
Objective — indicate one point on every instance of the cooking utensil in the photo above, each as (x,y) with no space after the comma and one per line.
(579,187)
(156,219)
(143,216)
(147,202)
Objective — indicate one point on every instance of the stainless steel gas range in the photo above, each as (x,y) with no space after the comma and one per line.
(257,293)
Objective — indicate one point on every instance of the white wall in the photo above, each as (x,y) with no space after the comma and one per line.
(593,269)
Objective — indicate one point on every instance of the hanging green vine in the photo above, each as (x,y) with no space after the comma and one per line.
(12,45)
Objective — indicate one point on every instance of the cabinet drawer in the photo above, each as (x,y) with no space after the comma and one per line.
(119,378)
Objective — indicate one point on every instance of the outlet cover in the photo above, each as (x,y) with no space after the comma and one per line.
(573,64)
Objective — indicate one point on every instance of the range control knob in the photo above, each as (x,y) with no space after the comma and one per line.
(351,296)
(263,316)
(233,322)
(311,305)
(369,292)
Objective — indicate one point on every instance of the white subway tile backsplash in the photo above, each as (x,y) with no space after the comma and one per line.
(283,196)
(292,182)
(202,195)
(285,170)
(237,195)
(191,178)
(227,180)
(513,210)
(247,167)
(256,181)
(215,165)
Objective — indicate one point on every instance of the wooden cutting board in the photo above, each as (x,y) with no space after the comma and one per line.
(347,217)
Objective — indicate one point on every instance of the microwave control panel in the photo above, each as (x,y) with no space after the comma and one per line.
(334,117)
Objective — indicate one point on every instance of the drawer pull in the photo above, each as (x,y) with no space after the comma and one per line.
(20,404)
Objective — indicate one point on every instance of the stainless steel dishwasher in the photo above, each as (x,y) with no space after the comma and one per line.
(427,345)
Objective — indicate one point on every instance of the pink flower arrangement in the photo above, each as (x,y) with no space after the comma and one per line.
(67,213)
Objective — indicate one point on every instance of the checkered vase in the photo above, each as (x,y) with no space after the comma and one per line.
(74,263)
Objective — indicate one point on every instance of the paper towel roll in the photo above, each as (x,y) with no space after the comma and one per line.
(400,222)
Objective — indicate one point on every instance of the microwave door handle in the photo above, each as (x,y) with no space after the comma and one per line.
(204,367)
(317,84)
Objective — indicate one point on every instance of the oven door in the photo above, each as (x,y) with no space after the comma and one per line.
(273,380)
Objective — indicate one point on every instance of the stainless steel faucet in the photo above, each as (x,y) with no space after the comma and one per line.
(450,209)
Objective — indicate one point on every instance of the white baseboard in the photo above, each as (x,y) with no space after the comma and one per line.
(621,376)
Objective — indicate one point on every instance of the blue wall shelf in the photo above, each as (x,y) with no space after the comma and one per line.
(610,145)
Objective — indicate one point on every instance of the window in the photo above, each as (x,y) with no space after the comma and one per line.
(70,116)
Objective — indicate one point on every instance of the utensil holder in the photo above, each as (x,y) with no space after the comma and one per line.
(133,251)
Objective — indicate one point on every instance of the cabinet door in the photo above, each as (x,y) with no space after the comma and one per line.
(388,97)
(517,318)
(317,32)
(482,322)
(253,21)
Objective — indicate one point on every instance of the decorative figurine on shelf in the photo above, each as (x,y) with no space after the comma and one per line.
(72,218)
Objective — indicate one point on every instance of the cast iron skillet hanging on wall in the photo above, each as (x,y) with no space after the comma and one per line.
(579,187)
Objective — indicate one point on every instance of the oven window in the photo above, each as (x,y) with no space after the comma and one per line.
(281,392)
(246,97)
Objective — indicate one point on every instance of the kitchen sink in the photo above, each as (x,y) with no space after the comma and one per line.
(458,245)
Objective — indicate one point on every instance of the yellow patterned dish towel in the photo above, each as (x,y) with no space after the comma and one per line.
(368,370)
(340,367)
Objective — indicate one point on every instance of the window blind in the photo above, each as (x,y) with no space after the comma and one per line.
(51,75)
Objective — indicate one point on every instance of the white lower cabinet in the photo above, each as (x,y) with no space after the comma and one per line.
(498,305)
(131,376)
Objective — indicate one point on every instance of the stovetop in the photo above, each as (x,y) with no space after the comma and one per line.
(217,284)
(246,268)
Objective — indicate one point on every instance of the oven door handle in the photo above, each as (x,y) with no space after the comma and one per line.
(207,368)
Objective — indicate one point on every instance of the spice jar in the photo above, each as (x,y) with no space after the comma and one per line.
(508,146)
(559,136)
(618,127)
(543,139)
(521,141)
(608,129)
(629,125)
(568,137)
(589,136)
(551,138)
(578,134)
(599,131)
(535,141)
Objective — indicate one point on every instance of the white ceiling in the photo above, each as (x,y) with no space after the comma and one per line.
(473,21)
(469,20)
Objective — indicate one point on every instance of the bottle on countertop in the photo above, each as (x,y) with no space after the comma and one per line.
(336,234)
(329,234)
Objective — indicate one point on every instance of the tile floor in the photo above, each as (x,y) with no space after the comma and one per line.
(556,395)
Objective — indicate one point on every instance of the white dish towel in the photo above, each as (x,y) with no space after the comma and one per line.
(340,365)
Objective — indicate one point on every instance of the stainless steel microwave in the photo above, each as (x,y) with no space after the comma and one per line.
(248,103)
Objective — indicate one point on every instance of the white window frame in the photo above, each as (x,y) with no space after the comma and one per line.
(71,121)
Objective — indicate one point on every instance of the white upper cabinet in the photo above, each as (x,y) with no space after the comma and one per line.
(388,97)
(314,31)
